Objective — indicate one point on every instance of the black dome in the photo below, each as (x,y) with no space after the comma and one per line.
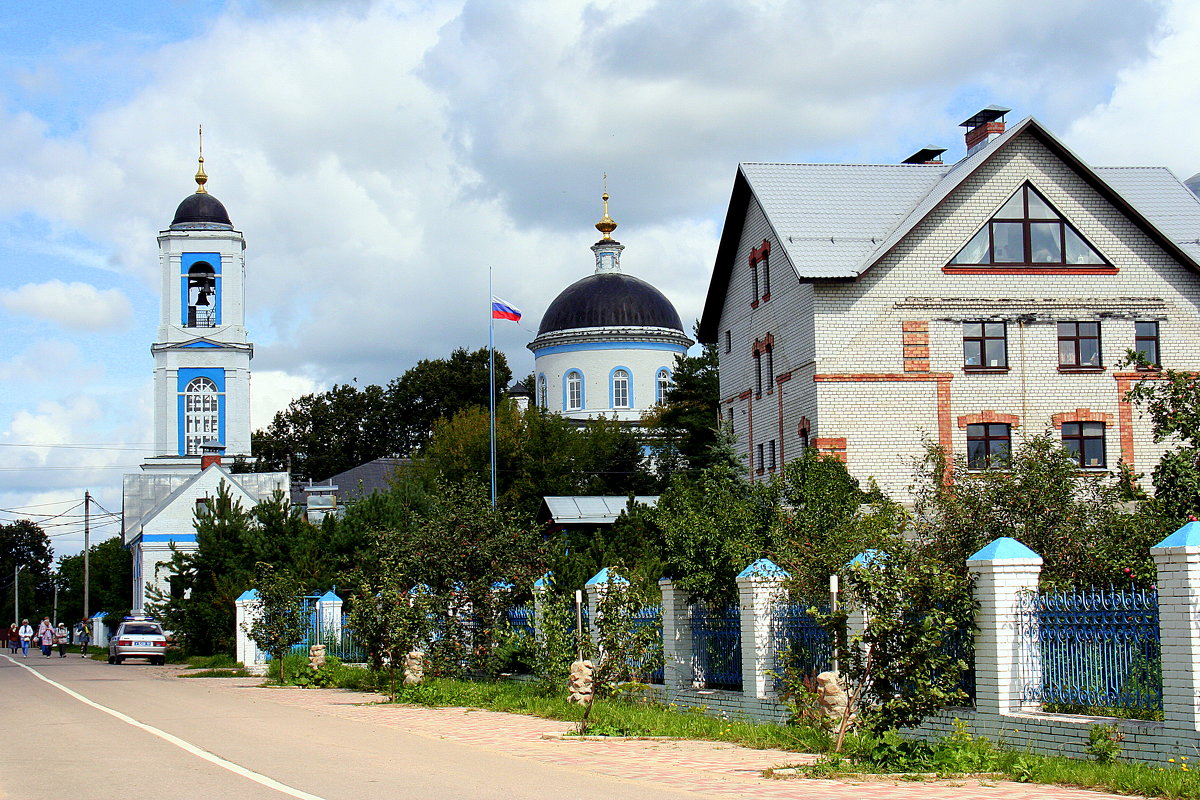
(610,300)
(201,209)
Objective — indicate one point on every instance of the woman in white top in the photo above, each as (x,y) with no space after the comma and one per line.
(26,634)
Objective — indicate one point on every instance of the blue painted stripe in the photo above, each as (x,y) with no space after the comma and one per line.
(574,348)
(168,537)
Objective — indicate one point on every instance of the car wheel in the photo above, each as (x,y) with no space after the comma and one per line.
(161,661)
(118,660)
(112,660)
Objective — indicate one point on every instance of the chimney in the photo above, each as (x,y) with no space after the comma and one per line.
(210,453)
(984,126)
(926,155)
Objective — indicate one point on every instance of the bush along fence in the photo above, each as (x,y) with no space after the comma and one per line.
(1046,666)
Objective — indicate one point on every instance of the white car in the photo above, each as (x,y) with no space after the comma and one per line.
(138,638)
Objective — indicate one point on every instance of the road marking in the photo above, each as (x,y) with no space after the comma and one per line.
(186,746)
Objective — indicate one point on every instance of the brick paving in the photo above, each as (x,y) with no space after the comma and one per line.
(712,769)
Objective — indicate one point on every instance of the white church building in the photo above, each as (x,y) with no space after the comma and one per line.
(201,390)
(607,344)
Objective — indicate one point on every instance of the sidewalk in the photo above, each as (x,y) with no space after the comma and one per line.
(711,768)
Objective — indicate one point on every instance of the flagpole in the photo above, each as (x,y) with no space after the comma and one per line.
(492,380)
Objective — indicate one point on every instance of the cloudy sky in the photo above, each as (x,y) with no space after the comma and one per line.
(380,156)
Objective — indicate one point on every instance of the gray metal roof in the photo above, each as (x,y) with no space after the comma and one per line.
(591,509)
(1161,198)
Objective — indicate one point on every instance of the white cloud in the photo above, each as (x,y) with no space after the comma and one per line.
(271,391)
(79,306)
(1155,105)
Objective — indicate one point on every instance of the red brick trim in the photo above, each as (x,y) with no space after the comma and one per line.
(783,378)
(1125,381)
(763,345)
(1030,270)
(760,253)
(833,446)
(745,395)
(988,416)
(915,345)
(803,427)
(1080,415)
(914,326)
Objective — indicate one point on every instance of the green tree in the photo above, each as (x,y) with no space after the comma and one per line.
(388,617)
(1171,399)
(111,576)
(280,622)
(24,544)
(689,421)
(320,435)
(1079,523)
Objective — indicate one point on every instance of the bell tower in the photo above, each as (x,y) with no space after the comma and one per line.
(201,356)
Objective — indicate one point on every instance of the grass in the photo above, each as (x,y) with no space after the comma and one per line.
(1173,779)
(215,673)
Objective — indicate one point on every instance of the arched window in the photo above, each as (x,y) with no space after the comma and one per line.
(201,415)
(543,399)
(574,390)
(620,389)
(202,296)
(663,387)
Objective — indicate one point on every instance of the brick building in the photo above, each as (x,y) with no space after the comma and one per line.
(868,309)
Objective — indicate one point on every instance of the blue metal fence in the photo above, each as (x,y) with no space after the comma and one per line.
(320,628)
(800,646)
(717,647)
(1093,648)
(521,619)
(651,616)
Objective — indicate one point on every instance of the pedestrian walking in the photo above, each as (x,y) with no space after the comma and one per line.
(26,633)
(85,637)
(14,638)
(61,637)
(46,639)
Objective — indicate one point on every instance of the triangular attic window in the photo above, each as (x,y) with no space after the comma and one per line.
(1028,232)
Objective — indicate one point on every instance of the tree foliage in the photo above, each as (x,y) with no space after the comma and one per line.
(111,576)
(320,435)
(24,544)
(1079,523)
(688,422)
(1171,399)
(280,620)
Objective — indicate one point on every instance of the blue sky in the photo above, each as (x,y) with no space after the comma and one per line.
(380,156)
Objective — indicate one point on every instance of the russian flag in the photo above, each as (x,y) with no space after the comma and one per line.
(503,310)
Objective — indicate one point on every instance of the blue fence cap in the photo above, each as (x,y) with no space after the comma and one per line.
(1187,536)
(602,577)
(545,580)
(764,568)
(102,614)
(501,586)
(329,597)
(249,594)
(1003,549)
(868,558)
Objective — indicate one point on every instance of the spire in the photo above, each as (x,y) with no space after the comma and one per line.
(606,224)
(201,177)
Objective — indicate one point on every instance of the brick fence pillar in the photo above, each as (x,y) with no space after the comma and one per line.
(760,592)
(1003,570)
(246,610)
(598,586)
(1177,559)
(540,587)
(677,637)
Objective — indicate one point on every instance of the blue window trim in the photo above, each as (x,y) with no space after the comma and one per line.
(612,388)
(186,376)
(583,346)
(186,262)
(582,390)
(658,398)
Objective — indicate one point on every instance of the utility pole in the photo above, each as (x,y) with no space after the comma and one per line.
(87,545)
(55,617)
(17,594)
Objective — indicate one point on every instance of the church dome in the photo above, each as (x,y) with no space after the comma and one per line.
(201,210)
(610,300)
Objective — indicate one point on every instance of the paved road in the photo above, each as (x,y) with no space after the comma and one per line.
(58,745)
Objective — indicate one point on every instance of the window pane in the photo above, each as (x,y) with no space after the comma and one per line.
(972,329)
(1093,452)
(974,431)
(1148,348)
(1079,251)
(1013,209)
(1070,429)
(1038,209)
(999,454)
(971,354)
(994,329)
(976,456)
(1089,329)
(1141,329)
(1066,353)
(1072,447)
(1008,241)
(994,353)
(998,429)
(1044,238)
(1093,428)
(976,251)
(1089,352)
